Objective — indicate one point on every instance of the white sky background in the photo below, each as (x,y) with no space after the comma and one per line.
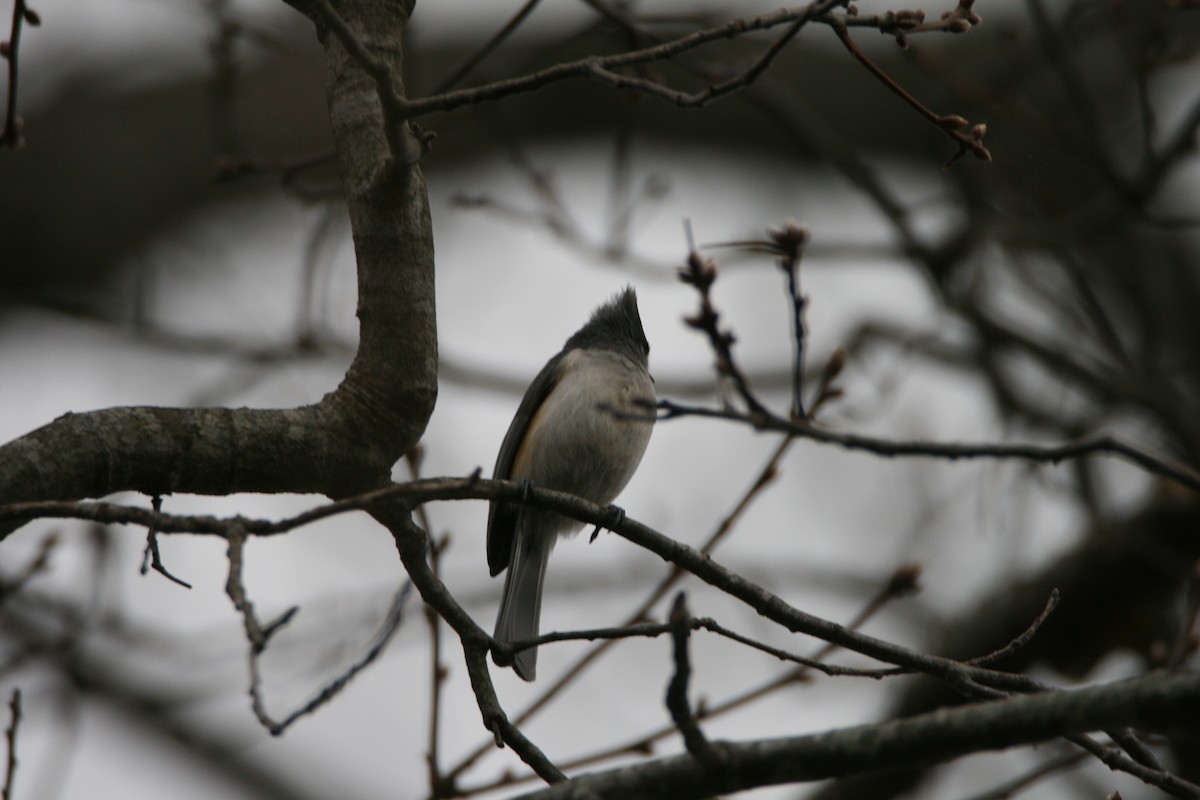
(825,536)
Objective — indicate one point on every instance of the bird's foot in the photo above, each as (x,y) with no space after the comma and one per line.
(616,517)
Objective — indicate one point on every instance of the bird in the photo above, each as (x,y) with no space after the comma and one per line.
(582,427)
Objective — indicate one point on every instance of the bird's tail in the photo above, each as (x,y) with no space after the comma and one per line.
(521,606)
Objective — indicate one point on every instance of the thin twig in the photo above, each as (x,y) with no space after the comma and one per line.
(223,88)
(952,125)
(677,690)
(1101,444)
(1024,638)
(1115,760)
(1076,96)
(331,689)
(36,566)
(437,680)
(787,244)
(232,167)
(902,582)
(1186,637)
(151,557)
(701,273)
(606,68)
(12,135)
(438,786)
(259,636)
(807,663)
(10,771)
(412,545)
(236,591)
(1135,747)
(1178,145)
(790,241)
(250,624)
(654,629)
(1021,782)
(483,52)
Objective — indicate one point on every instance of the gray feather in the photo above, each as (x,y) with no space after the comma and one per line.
(521,606)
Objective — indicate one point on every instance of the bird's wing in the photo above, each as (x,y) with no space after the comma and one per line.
(503,518)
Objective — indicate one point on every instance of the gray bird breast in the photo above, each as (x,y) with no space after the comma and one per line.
(580,447)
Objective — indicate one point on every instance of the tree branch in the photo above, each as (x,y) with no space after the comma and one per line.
(607,68)
(900,583)
(389,506)
(1156,702)
(10,734)
(950,124)
(384,72)
(1101,444)
(384,505)
(340,446)
(412,544)
(677,690)
(22,14)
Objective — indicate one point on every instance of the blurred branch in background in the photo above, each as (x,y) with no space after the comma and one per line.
(10,736)
(13,135)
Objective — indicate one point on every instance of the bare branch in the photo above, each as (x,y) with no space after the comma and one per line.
(10,770)
(36,565)
(1025,636)
(965,677)
(151,557)
(438,786)
(1156,702)
(701,273)
(790,240)
(677,690)
(655,629)
(340,446)
(950,124)
(382,639)
(259,636)
(606,68)
(901,582)
(1188,636)
(388,87)
(1102,444)
(488,47)
(12,135)
(972,680)
(786,243)
(412,544)
(1014,786)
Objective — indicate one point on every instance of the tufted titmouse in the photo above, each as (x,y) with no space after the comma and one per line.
(565,436)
